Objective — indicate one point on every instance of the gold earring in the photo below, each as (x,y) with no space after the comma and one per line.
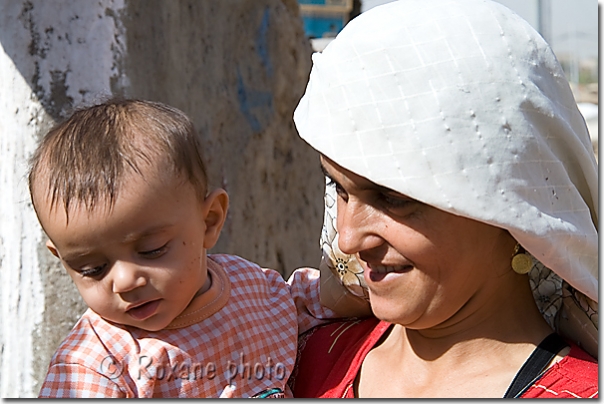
(521,262)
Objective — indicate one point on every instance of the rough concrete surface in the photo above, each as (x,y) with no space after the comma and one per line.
(236,67)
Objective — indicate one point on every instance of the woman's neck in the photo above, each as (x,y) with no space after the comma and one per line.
(492,335)
(504,310)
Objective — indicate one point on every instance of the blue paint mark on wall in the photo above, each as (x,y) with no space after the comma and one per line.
(259,101)
(262,43)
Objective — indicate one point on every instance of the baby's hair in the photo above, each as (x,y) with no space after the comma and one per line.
(83,159)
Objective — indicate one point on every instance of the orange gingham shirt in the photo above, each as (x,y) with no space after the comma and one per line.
(243,331)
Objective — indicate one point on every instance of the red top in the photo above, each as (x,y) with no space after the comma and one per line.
(330,357)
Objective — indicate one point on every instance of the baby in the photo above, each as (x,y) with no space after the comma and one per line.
(121,191)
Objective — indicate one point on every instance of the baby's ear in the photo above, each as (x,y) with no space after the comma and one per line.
(215,208)
(51,247)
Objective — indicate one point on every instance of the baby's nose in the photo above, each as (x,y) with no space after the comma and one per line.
(126,277)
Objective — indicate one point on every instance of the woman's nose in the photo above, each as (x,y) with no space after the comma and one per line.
(356,227)
(126,277)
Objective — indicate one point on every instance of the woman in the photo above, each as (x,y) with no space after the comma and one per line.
(467,195)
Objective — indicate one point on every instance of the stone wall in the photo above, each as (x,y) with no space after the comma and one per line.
(236,67)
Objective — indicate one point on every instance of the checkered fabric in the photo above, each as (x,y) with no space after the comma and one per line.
(249,341)
(461,105)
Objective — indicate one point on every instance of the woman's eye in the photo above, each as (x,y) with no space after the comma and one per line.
(92,272)
(341,192)
(155,253)
(395,202)
(339,189)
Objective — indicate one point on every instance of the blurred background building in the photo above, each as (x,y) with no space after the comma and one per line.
(324,18)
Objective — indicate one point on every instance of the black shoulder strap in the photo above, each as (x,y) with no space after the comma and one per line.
(535,364)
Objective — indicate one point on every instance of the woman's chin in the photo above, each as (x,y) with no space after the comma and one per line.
(392,311)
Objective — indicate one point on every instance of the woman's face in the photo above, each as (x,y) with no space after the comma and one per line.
(424,268)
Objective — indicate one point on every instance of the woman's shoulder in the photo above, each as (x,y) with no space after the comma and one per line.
(330,356)
(575,376)
(337,337)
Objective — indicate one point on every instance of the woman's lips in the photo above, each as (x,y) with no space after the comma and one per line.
(144,311)
(377,273)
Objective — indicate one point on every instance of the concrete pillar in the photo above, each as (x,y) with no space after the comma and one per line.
(236,67)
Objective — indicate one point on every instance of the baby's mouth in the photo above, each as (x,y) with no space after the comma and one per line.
(144,310)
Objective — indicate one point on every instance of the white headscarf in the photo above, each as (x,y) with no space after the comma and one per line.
(462,105)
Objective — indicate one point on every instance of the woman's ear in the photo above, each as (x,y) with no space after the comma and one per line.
(215,208)
(51,247)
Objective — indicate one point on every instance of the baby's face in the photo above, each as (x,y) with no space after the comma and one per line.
(142,262)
